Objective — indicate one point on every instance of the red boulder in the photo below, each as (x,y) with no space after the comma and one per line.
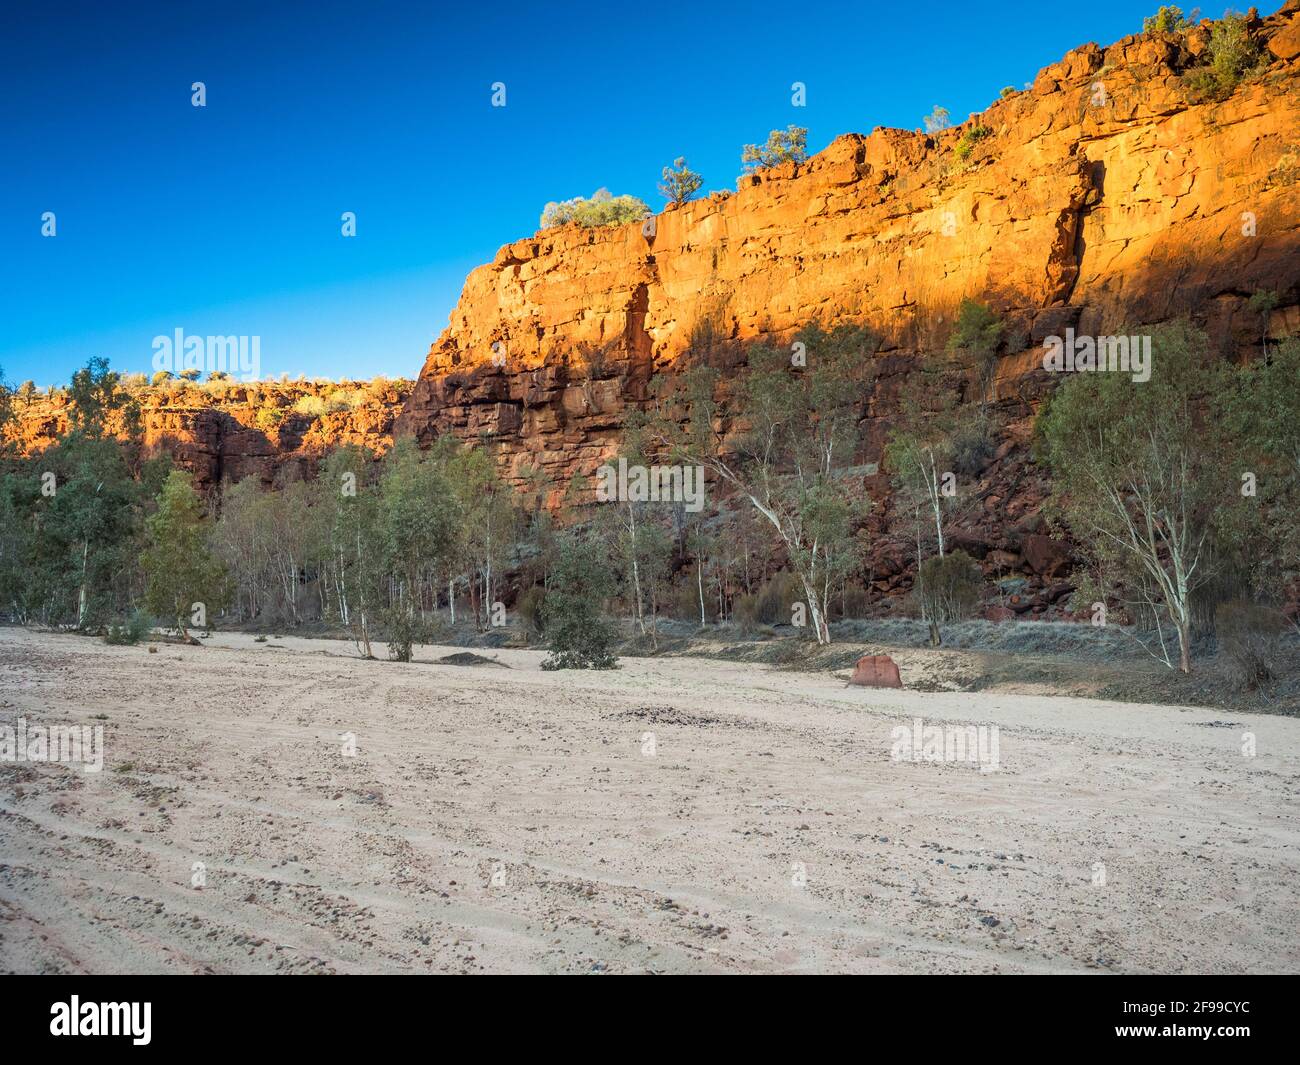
(876,671)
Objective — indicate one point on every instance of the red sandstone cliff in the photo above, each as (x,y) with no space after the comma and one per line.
(1104,196)
(225,431)
(1108,194)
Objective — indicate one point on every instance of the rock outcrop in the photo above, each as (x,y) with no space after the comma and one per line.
(876,671)
(228,431)
(1105,195)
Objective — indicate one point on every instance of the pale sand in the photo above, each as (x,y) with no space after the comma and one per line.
(614,861)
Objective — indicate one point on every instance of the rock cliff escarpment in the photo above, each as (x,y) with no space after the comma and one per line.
(1104,195)
(226,431)
(1109,194)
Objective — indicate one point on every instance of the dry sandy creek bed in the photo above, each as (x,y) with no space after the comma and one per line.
(500,818)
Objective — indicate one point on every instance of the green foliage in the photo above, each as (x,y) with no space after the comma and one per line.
(1260,408)
(801,405)
(179,566)
(580,636)
(345,511)
(130,632)
(1262,302)
(1169,19)
(416,533)
(948,589)
(312,406)
(602,209)
(978,331)
(488,524)
(973,445)
(1231,55)
(969,139)
(938,119)
(789,145)
(977,335)
(403,629)
(920,456)
(1007,92)
(680,183)
(72,519)
(96,395)
(268,418)
(1140,474)
(374,545)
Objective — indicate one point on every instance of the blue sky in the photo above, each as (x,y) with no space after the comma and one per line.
(226,219)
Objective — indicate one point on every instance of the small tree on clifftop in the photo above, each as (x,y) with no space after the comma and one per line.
(783,146)
(680,182)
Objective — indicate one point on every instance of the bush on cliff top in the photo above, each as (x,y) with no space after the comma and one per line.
(680,182)
(969,139)
(789,145)
(602,209)
(1230,57)
(1169,19)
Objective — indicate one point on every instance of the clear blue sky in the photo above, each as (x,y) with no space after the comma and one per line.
(226,219)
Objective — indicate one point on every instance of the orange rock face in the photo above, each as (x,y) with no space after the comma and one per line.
(228,432)
(1103,196)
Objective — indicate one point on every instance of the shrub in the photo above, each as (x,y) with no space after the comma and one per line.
(188,375)
(969,139)
(603,209)
(854,602)
(680,183)
(580,636)
(313,406)
(1007,91)
(684,602)
(772,604)
(783,146)
(973,446)
(978,333)
(403,629)
(268,417)
(1262,303)
(1250,638)
(1230,55)
(529,606)
(947,589)
(1169,19)
(132,631)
